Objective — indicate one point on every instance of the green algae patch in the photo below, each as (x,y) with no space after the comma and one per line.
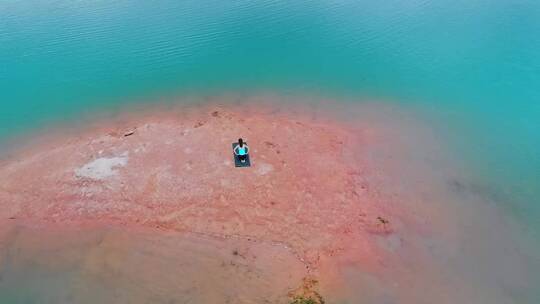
(306,293)
(302,300)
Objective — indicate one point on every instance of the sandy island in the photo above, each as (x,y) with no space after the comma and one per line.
(317,215)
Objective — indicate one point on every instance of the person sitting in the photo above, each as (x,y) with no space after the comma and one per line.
(241,150)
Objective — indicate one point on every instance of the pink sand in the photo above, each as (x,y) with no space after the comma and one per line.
(319,212)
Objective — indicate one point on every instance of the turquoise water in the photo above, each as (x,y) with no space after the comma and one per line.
(473,66)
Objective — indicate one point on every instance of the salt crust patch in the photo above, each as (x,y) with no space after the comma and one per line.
(102,167)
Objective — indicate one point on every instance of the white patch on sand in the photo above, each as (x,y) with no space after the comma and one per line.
(264,169)
(102,167)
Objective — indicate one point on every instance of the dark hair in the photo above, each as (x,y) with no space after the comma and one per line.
(240,142)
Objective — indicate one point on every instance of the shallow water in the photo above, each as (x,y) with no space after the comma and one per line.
(468,69)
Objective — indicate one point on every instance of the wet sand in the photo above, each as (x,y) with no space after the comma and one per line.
(357,204)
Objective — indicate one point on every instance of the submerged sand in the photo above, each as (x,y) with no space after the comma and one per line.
(338,207)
